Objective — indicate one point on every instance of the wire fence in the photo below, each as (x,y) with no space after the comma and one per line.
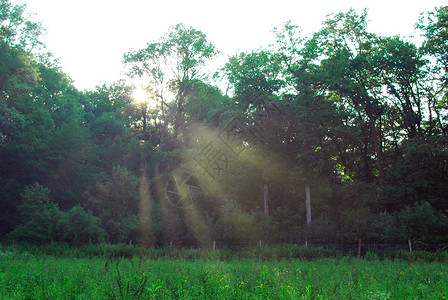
(346,248)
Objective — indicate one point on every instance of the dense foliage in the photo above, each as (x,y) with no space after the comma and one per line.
(360,119)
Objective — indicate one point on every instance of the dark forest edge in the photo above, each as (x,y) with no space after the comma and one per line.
(359,119)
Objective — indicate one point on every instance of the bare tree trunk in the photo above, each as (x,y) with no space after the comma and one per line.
(265,193)
(265,198)
(308,210)
(308,205)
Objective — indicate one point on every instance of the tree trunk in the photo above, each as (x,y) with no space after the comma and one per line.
(265,193)
(162,141)
(180,99)
(144,121)
(378,149)
(265,198)
(308,205)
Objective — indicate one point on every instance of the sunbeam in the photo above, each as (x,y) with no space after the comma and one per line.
(147,235)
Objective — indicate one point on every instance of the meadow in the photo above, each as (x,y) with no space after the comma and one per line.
(222,274)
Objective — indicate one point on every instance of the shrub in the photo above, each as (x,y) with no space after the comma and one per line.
(80,226)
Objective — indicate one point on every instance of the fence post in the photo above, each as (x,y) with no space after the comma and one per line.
(214,245)
(359,248)
(171,244)
(410,244)
(260,243)
(130,242)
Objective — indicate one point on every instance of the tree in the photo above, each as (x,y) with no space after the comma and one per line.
(435,29)
(115,200)
(422,223)
(25,123)
(239,228)
(170,68)
(206,104)
(399,66)
(11,120)
(256,79)
(18,29)
(55,91)
(79,227)
(254,75)
(72,163)
(419,174)
(347,48)
(38,215)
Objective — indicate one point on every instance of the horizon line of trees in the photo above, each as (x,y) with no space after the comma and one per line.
(360,119)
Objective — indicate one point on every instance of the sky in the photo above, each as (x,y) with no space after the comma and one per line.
(90,37)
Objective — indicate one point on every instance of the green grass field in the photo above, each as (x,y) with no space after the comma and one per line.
(39,276)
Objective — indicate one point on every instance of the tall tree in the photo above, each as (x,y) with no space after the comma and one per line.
(435,30)
(170,67)
(17,28)
(347,47)
(256,80)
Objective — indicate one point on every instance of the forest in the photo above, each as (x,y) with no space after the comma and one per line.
(331,138)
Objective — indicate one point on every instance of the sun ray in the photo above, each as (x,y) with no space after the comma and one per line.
(147,235)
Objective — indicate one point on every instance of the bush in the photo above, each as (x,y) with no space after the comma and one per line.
(80,226)
(39,216)
(239,228)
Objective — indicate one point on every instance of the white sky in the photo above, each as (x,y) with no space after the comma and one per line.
(89,37)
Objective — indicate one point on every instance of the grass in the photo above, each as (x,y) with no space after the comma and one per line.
(24,275)
(126,251)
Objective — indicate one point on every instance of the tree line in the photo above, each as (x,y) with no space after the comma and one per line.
(358,118)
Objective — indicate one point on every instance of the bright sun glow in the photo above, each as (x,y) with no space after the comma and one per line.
(141,96)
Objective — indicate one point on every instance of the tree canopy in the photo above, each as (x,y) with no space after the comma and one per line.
(358,118)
